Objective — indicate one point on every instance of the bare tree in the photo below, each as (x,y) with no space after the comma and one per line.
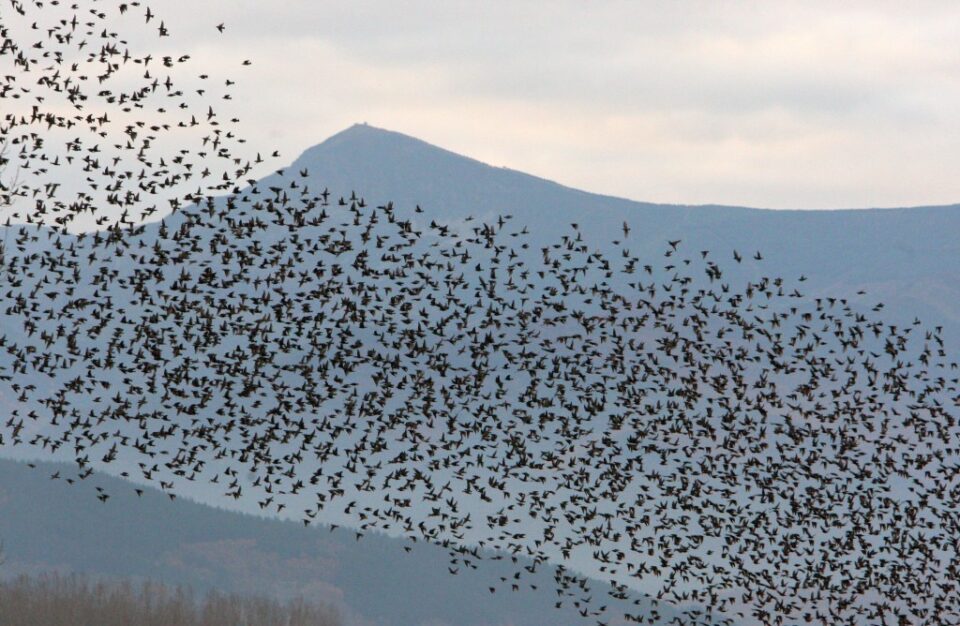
(57,600)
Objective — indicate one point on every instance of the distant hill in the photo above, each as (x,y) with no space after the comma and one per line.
(908,258)
(47,525)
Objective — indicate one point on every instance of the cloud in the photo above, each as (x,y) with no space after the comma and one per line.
(774,104)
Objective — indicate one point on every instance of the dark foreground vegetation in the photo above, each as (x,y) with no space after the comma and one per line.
(75,600)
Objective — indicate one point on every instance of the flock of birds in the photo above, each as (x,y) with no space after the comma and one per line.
(733,447)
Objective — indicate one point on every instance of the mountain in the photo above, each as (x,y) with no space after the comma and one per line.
(908,258)
(49,525)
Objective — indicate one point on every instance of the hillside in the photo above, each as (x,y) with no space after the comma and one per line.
(48,525)
(908,258)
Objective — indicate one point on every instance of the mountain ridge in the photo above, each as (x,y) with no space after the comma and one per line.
(362,133)
(911,253)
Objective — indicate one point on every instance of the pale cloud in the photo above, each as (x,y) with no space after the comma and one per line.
(773,104)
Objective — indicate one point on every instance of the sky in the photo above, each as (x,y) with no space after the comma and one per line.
(770,104)
(767,104)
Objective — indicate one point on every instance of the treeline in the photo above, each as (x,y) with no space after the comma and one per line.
(75,600)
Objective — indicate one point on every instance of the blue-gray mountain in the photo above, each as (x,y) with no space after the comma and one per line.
(908,258)
(141,324)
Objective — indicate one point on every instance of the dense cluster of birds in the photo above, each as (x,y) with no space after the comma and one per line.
(94,135)
(730,446)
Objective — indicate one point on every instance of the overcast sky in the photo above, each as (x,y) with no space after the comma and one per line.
(766,104)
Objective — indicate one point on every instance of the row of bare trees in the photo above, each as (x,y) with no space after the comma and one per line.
(75,600)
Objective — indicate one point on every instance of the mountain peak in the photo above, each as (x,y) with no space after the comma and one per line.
(387,166)
(363,141)
(361,130)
